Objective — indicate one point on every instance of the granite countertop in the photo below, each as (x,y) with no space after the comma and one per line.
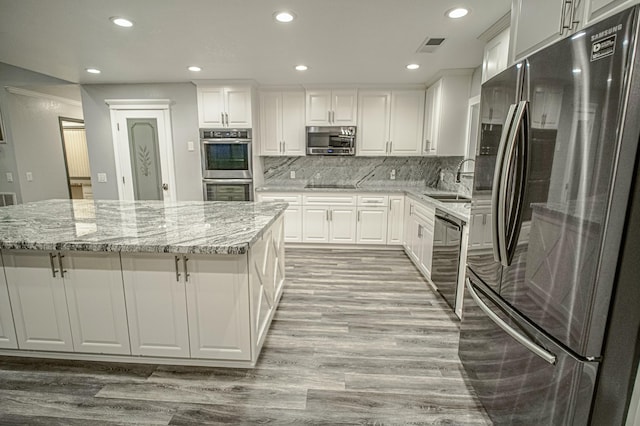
(420,192)
(212,227)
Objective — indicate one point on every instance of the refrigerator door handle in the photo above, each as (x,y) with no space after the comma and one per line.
(504,236)
(521,338)
(496,182)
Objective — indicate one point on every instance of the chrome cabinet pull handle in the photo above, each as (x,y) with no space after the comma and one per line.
(521,338)
(327,215)
(177,259)
(359,215)
(185,259)
(222,118)
(62,270)
(329,116)
(390,146)
(54,271)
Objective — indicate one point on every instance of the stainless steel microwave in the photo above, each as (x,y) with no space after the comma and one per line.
(323,140)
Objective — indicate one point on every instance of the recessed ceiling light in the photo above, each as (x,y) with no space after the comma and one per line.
(121,22)
(93,70)
(194,68)
(458,12)
(302,67)
(576,70)
(284,16)
(413,66)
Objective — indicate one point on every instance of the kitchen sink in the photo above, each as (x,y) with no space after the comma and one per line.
(449,198)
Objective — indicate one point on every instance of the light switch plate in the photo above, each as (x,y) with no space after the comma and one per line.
(9,177)
(29,176)
(190,146)
(102,177)
(292,174)
(392,175)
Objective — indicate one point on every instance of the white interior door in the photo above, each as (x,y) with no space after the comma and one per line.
(144,154)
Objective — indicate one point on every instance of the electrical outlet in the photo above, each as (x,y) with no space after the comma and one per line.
(9,177)
(292,174)
(190,146)
(392,175)
(102,177)
(29,176)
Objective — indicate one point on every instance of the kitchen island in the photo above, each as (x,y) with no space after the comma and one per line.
(191,283)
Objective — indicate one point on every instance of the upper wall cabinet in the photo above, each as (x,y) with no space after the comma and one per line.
(599,9)
(332,107)
(390,122)
(446,108)
(538,23)
(224,106)
(282,128)
(496,55)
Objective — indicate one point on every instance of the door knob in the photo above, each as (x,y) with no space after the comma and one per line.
(165,186)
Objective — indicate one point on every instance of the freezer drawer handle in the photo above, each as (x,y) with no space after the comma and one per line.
(522,339)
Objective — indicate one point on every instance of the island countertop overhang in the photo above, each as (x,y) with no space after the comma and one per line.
(204,227)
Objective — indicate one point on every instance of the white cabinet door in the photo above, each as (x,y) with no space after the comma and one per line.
(496,55)
(408,209)
(537,24)
(156,305)
(38,301)
(599,9)
(342,225)
(426,249)
(414,239)
(293,130)
(8,338)
(238,107)
(332,107)
(270,123)
(407,117)
(476,236)
(293,224)
(374,114)
(315,224)
(218,307)
(318,111)
(395,222)
(220,106)
(545,107)
(211,106)
(344,107)
(95,297)
(432,118)
(372,225)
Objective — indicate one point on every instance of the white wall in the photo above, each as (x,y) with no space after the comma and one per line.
(184,124)
(38,145)
(14,76)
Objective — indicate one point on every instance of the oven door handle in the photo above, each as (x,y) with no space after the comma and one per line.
(225,141)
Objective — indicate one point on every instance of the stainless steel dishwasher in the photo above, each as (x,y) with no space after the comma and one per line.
(447,237)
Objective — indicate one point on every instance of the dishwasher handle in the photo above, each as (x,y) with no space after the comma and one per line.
(449,221)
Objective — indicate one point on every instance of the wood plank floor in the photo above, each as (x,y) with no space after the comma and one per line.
(359,338)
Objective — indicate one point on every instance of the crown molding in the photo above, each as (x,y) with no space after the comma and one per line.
(40,95)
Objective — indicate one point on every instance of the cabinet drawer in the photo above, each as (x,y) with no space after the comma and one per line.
(293,199)
(329,199)
(373,200)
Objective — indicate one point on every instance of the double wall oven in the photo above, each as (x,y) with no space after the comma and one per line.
(226,164)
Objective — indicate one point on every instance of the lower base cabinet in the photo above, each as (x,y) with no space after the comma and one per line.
(329,224)
(372,225)
(67,302)
(188,305)
(419,220)
(8,338)
(212,308)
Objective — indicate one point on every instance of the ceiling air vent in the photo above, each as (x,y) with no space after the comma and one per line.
(430,44)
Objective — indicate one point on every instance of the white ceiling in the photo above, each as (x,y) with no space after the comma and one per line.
(342,41)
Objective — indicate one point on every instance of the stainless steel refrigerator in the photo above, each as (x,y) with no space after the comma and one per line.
(543,318)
